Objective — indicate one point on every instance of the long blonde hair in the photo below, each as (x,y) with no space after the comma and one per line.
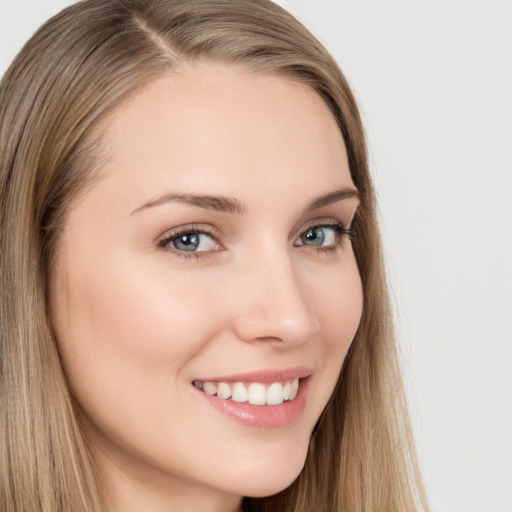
(77,67)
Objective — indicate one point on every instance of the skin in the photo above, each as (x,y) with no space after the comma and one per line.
(136,323)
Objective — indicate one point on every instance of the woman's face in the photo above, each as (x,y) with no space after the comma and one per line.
(212,253)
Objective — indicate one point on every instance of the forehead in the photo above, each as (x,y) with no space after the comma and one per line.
(221,129)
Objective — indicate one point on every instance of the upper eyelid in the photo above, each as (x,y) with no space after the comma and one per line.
(323,222)
(190,228)
(332,224)
(316,223)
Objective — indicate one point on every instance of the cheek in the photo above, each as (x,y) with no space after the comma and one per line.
(126,333)
(338,305)
(135,311)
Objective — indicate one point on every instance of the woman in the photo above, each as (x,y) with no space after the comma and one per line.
(193,300)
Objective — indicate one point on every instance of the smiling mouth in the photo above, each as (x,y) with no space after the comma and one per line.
(255,393)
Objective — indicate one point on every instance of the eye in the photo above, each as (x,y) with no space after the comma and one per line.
(190,241)
(318,236)
(324,235)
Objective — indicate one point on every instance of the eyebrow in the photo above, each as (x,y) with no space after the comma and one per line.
(216,203)
(332,197)
(232,205)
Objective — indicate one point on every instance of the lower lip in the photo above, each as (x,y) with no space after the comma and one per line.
(261,416)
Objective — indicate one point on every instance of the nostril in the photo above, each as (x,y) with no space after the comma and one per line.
(274,328)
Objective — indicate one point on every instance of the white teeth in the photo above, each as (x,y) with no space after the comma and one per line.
(275,394)
(294,388)
(210,388)
(256,393)
(286,391)
(223,390)
(239,393)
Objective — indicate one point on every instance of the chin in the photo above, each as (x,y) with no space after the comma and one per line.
(270,487)
(270,471)
(269,484)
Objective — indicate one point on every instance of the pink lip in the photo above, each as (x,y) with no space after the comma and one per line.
(262,416)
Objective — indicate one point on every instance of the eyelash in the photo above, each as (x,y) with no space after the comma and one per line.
(189,230)
(340,232)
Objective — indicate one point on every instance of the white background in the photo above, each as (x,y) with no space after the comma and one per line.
(434,82)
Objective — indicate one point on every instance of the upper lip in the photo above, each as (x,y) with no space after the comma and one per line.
(264,376)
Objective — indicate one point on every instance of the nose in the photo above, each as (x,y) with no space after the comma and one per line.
(272,304)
